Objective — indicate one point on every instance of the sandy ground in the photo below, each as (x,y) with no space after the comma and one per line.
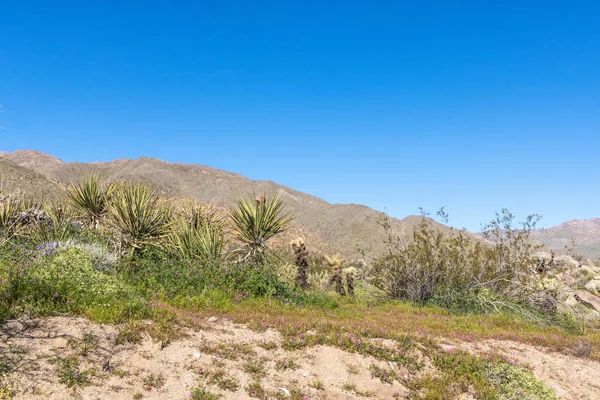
(571,378)
(125,371)
(122,371)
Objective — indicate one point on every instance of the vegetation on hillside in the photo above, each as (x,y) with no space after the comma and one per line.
(121,254)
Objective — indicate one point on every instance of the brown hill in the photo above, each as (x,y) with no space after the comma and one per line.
(582,236)
(16,180)
(339,228)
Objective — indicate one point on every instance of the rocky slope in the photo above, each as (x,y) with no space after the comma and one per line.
(583,236)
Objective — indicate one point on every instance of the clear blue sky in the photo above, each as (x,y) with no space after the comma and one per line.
(392,104)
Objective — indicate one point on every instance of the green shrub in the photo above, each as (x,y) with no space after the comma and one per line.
(513,382)
(64,280)
(103,260)
(432,261)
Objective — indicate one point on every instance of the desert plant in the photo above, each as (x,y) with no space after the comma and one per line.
(9,209)
(434,262)
(103,260)
(50,224)
(198,234)
(350,274)
(90,199)
(335,263)
(301,262)
(138,216)
(255,221)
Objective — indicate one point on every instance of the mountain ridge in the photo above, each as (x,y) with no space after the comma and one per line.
(350,229)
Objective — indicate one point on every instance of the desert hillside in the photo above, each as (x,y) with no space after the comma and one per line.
(345,228)
(342,228)
(583,236)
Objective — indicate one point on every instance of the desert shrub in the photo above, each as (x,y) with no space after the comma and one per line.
(513,382)
(152,272)
(102,258)
(38,222)
(64,280)
(435,263)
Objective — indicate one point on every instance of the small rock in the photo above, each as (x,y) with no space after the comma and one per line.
(571,301)
(213,319)
(196,355)
(159,345)
(61,343)
(285,391)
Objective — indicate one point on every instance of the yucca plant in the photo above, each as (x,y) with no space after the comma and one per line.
(255,221)
(55,224)
(198,234)
(90,199)
(138,216)
(9,209)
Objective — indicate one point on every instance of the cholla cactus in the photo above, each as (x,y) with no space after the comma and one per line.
(350,274)
(335,263)
(301,262)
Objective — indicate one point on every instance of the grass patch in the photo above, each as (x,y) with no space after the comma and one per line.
(203,394)
(285,364)
(229,349)
(153,381)
(255,367)
(255,390)
(220,378)
(317,384)
(352,388)
(69,372)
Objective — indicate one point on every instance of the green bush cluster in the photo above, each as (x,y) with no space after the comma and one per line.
(64,280)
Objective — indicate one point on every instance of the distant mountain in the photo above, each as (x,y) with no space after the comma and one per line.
(329,228)
(583,236)
(332,228)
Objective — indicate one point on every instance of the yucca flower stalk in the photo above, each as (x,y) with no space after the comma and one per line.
(255,221)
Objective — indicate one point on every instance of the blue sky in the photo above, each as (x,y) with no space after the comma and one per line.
(473,106)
